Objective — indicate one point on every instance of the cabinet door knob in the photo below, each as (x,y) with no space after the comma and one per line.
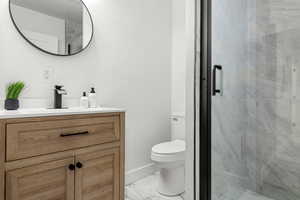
(72,167)
(79,165)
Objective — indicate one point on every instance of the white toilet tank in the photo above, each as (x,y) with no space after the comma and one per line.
(178,126)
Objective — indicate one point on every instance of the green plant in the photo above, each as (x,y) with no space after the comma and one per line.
(14,89)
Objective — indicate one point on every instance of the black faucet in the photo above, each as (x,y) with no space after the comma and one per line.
(58,92)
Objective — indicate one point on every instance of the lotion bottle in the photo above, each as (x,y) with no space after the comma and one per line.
(84,101)
(92,98)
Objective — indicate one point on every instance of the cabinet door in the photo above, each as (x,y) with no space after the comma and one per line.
(97,176)
(47,181)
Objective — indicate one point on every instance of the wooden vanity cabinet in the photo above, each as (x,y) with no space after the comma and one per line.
(87,162)
(53,180)
(99,176)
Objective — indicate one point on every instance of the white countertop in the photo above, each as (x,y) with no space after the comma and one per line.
(44,112)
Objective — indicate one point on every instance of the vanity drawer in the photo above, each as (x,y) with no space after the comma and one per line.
(30,139)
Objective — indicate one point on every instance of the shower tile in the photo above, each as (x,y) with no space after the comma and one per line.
(274,116)
(256,140)
(227,186)
(229,128)
(278,193)
(283,173)
(249,195)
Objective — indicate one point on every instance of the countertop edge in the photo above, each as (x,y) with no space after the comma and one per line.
(16,115)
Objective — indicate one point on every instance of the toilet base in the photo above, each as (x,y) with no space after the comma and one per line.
(171,181)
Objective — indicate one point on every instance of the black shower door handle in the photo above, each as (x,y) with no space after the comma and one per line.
(215,89)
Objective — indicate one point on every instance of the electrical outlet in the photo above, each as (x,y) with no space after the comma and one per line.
(48,73)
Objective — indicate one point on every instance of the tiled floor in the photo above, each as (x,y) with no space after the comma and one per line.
(145,189)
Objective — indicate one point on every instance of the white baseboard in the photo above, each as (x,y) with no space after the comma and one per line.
(133,175)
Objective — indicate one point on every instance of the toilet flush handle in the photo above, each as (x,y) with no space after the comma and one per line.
(175,119)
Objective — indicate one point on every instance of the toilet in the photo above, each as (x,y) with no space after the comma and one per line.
(169,157)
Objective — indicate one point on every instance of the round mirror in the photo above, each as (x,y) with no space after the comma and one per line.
(57,27)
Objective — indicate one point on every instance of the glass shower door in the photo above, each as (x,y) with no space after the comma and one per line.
(255,107)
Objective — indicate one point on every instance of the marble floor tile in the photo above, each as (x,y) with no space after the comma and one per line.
(145,189)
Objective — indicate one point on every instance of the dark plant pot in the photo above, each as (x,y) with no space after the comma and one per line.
(11,104)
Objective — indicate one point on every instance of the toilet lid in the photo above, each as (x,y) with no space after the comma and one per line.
(176,146)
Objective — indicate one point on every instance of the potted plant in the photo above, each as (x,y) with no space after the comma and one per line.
(12,94)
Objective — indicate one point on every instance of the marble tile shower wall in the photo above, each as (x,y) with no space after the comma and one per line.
(273,95)
(256,124)
(229,173)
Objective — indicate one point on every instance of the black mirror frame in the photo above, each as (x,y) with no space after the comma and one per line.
(47,52)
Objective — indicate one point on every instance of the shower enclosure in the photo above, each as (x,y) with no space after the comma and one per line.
(250,100)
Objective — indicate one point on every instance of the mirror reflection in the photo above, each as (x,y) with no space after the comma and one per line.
(58,27)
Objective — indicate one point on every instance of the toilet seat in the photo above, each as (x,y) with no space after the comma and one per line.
(169,151)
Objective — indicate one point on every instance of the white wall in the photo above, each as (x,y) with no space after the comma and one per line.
(129,63)
(183,54)
(178,56)
(189,103)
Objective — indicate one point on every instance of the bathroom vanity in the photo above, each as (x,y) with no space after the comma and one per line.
(62,154)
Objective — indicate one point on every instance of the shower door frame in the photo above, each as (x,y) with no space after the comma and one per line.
(205,99)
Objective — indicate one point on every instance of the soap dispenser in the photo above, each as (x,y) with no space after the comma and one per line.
(92,98)
(84,101)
